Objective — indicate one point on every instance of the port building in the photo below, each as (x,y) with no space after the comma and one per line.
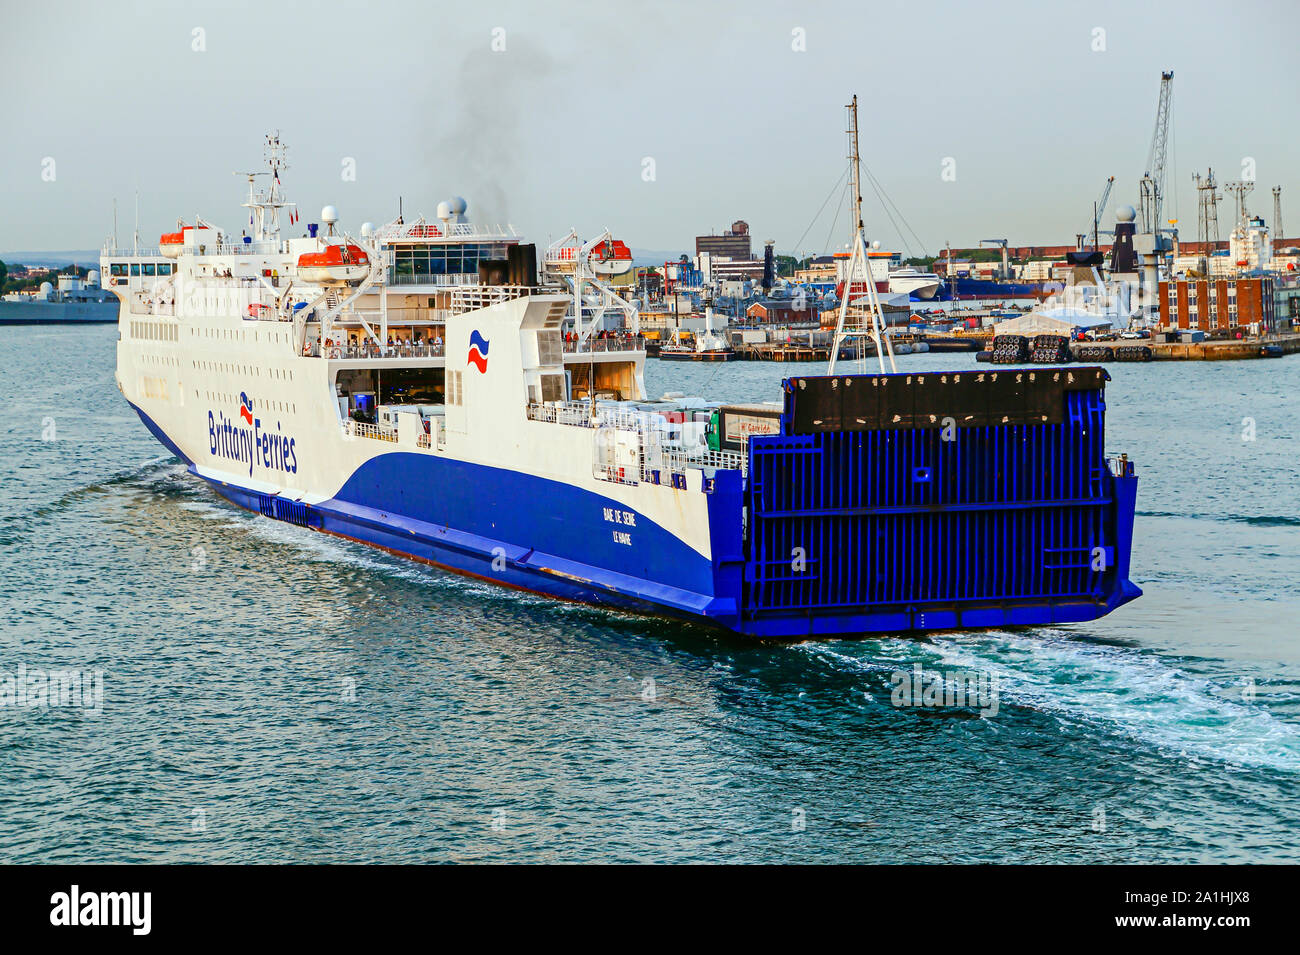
(1246,305)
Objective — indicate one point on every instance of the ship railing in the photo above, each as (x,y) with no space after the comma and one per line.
(469,298)
(421,230)
(113,250)
(677,462)
(370,350)
(450,280)
(663,459)
(621,343)
(239,281)
(579,413)
(266,313)
(360,429)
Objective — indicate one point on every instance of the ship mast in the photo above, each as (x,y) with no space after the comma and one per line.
(265,206)
(859,260)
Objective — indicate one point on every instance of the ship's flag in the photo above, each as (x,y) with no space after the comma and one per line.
(478,349)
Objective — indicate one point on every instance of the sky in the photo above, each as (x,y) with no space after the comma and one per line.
(658,120)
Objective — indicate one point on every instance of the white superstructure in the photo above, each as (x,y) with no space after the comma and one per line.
(421,387)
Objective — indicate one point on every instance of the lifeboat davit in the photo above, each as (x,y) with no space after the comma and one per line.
(337,265)
(611,257)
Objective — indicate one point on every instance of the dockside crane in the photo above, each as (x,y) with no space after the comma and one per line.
(1006,267)
(1152,241)
(1152,185)
(1098,211)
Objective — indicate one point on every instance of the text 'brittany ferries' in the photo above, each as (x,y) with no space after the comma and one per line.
(249,443)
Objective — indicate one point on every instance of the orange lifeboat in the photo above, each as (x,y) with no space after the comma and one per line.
(336,265)
(611,257)
(171,243)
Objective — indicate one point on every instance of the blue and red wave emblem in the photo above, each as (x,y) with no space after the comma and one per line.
(246,407)
(478,349)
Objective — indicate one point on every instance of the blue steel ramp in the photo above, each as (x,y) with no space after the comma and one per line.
(936,501)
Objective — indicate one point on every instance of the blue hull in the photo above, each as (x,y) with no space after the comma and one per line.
(962,288)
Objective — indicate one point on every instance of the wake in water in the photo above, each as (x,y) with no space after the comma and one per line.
(326,548)
(1258,520)
(1121,691)
(1115,690)
(153,467)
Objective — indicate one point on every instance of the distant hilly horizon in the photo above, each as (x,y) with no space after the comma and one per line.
(52,259)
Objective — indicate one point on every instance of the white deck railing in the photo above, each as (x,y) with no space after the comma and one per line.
(359,429)
(662,454)
(370,350)
(660,458)
(622,343)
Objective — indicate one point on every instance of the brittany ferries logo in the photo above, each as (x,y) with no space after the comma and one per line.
(478,349)
(250,443)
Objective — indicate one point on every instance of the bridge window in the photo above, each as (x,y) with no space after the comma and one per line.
(445,259)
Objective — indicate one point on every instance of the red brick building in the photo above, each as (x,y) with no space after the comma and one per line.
(1218,304)
(785,312)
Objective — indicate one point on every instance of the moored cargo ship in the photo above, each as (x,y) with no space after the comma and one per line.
(966,288)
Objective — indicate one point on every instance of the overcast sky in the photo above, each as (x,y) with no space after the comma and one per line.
(660,120)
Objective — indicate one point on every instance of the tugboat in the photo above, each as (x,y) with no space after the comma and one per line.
(708,345)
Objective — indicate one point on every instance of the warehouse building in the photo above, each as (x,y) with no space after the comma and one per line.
(1219,305)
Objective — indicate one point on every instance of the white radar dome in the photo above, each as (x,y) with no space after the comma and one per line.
(92,277)
(329,215)
(458,205)
(444,210)
(876,244)
(46,288)
(1125,214)
(367,229)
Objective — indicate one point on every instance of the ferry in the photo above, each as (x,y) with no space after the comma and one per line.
(438,390)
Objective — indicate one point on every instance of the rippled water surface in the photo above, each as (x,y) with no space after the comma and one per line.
(270,694)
